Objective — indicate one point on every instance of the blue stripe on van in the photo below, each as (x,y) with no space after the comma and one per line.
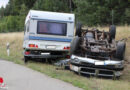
(50,39)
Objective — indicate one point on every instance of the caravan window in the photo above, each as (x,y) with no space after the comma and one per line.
(51,28)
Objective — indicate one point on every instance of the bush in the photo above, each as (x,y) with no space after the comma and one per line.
(12,24)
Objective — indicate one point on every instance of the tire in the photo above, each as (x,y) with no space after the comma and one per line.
(112,31)
(78,29)
(120,52)
(74,45)
(26,59)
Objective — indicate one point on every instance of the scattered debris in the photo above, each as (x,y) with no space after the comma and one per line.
(62,64)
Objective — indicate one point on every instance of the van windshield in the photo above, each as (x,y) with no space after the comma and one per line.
(51,28)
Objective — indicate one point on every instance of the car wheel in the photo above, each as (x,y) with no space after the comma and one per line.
(74,45)
(120,52)
(26,59)
(112,31)
(78,29)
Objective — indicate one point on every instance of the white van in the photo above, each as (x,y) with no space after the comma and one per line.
(47,34)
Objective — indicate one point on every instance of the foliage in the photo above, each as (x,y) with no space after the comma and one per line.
(12,23)
(89,12)
(99,12)
(52,5)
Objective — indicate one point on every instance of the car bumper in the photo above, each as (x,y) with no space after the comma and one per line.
(45,56)
(95,71)
(96,62)
(96,67)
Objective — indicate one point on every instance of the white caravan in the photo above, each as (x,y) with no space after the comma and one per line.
(47,34)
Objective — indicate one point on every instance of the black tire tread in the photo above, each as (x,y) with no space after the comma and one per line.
(112,31)
(74,45)
(120,52)
(78,29)
(26,59)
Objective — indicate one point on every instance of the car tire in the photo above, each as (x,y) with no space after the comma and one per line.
(74,45)
(112,31)
(120,52)
(78,29)
(26,59)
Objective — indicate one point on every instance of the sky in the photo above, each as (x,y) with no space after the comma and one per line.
(3,3)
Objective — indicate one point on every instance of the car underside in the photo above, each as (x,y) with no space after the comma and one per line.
(96,52)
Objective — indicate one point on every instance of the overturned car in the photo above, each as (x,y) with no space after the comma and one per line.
(96,53)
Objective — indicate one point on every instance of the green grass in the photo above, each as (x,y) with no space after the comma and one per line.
(16,40)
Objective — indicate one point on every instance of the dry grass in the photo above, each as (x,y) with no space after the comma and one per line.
(16,40)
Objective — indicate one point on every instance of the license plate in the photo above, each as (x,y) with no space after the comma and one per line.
(99,63)
(51,47)
(74,68)
(45,53)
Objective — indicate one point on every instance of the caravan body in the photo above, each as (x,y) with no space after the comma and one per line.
(48,34)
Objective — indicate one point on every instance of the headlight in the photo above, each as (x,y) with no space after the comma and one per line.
(75,60)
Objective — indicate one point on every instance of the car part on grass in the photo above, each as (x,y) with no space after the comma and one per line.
(99,51)
(62,64)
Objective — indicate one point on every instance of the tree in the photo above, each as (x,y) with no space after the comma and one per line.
(127,16)
(89,12)
(29,3)
(98,12)
(2,10)
(52,5)
(23,10)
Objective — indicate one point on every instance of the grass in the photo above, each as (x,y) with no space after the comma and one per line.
(16,41)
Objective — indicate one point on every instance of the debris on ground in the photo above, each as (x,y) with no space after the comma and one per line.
(62,64)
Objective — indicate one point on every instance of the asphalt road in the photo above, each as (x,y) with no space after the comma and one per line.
(18,77)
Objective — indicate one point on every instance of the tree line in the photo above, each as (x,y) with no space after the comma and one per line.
(89,12)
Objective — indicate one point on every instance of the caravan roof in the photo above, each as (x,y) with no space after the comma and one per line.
(53,16)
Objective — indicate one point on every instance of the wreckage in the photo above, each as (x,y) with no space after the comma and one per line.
(97,53)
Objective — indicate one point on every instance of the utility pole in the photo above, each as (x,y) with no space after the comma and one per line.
(112,16)
(70,5)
